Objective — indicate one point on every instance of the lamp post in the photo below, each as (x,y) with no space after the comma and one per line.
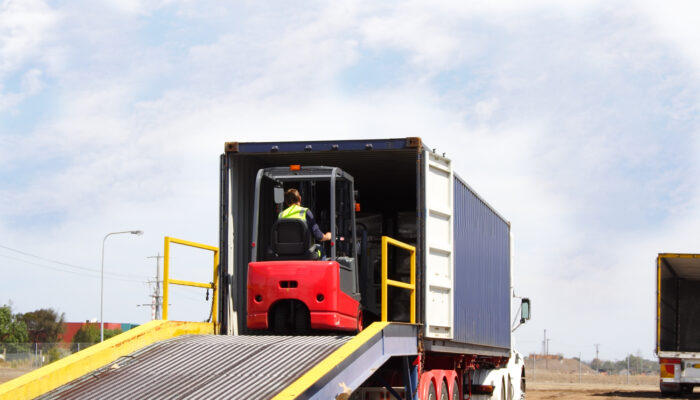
(102,278)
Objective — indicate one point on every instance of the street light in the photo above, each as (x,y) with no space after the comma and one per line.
(102,278)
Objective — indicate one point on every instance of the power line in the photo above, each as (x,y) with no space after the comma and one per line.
(66,270)
(185,292)
(67,264)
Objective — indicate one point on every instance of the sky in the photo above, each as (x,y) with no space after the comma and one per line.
(578,121)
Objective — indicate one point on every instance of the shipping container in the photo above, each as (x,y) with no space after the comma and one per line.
(407,191)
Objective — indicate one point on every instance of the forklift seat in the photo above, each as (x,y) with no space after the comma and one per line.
(291,240)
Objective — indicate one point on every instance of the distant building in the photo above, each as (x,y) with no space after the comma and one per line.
(71,328)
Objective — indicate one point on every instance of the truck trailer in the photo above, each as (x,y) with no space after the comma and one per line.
(406,192)
(678,322)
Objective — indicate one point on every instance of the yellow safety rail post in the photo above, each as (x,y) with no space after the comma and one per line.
(167,281)
(386,282)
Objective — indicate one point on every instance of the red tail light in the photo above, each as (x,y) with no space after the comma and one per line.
(668,370)
(667,367)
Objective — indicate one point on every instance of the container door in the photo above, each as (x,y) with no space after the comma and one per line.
(438,239)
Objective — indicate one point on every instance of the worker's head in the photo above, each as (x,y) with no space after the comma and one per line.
(292,196)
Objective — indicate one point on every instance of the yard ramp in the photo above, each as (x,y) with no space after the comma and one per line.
(61,372)
(245,367)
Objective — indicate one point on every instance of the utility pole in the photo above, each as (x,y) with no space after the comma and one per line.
(544,343)
(544,348)
(597,345)
(157,299)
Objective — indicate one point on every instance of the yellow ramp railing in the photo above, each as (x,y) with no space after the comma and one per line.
(386,282)
(167,281)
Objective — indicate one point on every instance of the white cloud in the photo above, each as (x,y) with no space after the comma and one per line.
(552,113)
(675,23)
(26,29)
(24,26)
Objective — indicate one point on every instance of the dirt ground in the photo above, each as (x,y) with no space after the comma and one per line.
(568,391)
(7,373)
(599,387)
(547,386)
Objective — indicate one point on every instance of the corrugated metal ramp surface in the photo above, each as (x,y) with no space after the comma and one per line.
(205,367)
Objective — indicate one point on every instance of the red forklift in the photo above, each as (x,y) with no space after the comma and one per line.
(295,285)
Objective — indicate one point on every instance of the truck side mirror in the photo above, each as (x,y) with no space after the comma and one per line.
(524,310)
(278,193)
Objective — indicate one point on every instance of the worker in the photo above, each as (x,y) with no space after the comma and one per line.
(292,199)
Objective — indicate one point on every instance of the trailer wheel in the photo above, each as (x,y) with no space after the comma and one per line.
(426,386)
(511,389)
(444,395)
(686,389)
(431,392)
(455,390)
(503,389)
(670,389)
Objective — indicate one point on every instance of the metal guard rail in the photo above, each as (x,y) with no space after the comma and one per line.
(386,282)
(167,281)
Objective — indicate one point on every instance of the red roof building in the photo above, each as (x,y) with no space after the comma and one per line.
(71,328)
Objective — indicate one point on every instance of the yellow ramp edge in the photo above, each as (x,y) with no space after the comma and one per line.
(56,374)
(314,374)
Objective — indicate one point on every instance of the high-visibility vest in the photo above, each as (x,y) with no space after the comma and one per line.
(298,212)
(294,211)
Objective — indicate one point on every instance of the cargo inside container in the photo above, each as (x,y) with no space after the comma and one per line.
(679,302)
(386,184)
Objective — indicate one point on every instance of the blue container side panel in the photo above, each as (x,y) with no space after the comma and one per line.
(482,272)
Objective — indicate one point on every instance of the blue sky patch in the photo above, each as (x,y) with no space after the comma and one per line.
(374,70)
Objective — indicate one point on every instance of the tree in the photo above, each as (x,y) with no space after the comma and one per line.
(110,333)
(89,334)
(86,336)
(13,331)
(44,325)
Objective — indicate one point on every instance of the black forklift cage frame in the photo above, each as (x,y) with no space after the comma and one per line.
(304,173)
